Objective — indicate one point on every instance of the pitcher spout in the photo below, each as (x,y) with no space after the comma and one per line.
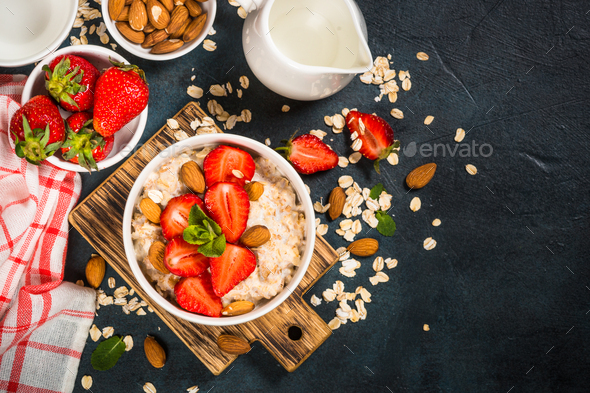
(251,5)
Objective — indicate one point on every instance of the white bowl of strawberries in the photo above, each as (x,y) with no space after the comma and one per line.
(104,106)
(219,229)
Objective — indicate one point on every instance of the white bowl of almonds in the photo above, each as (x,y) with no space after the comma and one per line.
(263,212)
(159,29)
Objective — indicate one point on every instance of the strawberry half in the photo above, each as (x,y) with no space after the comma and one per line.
(229,206)
(232,267)
(196,294)
(121,94)
(183,258)
(84,146)
(375,135)
(71,81)
(174,218)
(37,129)
(308,154)
(223,160)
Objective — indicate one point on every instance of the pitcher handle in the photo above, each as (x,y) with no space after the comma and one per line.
(251,5)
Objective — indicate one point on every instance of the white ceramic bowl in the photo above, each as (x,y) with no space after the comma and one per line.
(32,29)
(256,149)
(210,7)
(125,139)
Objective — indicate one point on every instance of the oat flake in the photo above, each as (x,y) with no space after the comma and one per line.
(415,204)
(428,120)
(285,108)
(398,114)
(128,340)
(86,382)
(459,135)
(436,222)
(471,169)
(422,56)
(194,91)
(429,243)
(149,388)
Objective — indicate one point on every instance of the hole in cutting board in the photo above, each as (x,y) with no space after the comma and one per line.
(295,333)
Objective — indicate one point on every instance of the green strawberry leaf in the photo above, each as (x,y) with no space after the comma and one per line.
(386,225)
(108,352)
(376,191)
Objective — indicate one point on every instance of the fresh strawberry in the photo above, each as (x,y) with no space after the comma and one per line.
(121,94)
(183,258)
(196,294)
(234,265)
(83,145)
(374,133)
(223,160)
(37,129)
(229,206)
(174,218)
(71,80)
(308,154)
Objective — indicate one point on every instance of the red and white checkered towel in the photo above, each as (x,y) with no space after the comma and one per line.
(44,322)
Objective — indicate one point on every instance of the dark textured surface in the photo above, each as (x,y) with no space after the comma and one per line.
(505,291)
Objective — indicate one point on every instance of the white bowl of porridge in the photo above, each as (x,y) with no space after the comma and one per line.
(284,208)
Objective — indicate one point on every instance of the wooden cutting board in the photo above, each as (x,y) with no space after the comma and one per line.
(99,219)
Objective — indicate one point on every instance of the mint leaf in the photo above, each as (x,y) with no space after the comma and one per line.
(376,191)
(198,217)
(218,245)
(386,225)
(197,234)
(108,352)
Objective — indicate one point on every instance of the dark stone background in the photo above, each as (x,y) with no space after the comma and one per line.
(506,290)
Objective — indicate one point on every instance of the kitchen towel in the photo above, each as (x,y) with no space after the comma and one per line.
(44,322)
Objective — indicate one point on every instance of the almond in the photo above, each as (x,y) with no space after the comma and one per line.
(156,256)
(421,176)
(137,15)
(154,352)
(134,36)
(153,38)
(149,28)
(194,28)
(115,8)
(158,14)
(124,15)
(177,19)
(232,344)
(95,269)
(254,189)
(169,4)
(336,201)
(237,308)
(255,236)
(151,210)
(180,31)
(192,176)
(166,46)
(193,8)
(363,247)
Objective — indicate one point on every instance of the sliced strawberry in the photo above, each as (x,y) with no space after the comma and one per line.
(233,266)
(174,218)
(183,258)
(375,134)
(223,160)
(196,294)
(229,207)
(309,154)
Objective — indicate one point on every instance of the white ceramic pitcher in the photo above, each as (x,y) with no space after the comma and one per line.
(305,49)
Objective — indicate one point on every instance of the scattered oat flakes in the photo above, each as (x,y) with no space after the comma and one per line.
(365,295)
(105,38)
(426,327)
(180,135)
(80,283)
(378,264)
(209,45)
(322,229)
(285,108)
(244,81)
(246,115)
(172,123)
(391,263)
(345,181)
(86,382)
(120,292)
(108,331)
(342,162)
(237,173)
(345,112)
(328,121)
(149,388)
(95,333)
(111,280)
(415,204)
(407,84)
(379,277)
(428,120)
(218,90)
(194,91)
(357,144)
(319,133)
(335,323)
(422,56)
(193,389)
(128,340)
(242,12)
(471,169)
(459,135)
(429,243)
(229,87)
(140,312)
(436,222)
(315,301)
(398,114)
(402,75)
(306,186)
(328,295)
(338,121)
(92,29)
(354,157)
